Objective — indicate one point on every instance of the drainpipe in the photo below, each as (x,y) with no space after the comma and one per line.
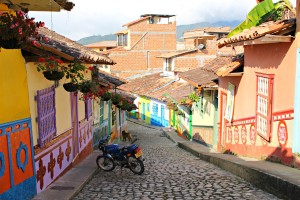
(296,133)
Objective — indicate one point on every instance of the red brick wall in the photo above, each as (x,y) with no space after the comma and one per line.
(160,38)
(193,60)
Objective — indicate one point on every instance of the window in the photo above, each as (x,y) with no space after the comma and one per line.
(264,93)
(101,112)
(46,118)
(122,39)
(155,109)
(88,108)
(169,64)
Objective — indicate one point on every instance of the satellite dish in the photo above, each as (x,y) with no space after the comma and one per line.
(201,46)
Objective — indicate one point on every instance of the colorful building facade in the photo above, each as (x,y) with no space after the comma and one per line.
(257,107)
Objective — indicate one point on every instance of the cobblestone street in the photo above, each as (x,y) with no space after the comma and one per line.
(170,173)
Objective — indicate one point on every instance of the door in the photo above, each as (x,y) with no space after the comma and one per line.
(143,111)
(75,124)
(162,109)
(222,138)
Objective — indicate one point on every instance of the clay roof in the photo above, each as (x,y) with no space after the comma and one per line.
(220,66)
(106,77)
(283,27)
(68,49)
(177,90)
(144,85)
(136,21)
(175,53)
(102,44)
(225,29)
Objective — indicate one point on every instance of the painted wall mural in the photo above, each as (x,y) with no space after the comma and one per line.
(17,174)
(241,136)
(51,162)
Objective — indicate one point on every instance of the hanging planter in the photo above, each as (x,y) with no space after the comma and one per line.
(53,75)
(70,87)
(125,105)
(86,86)
(106,96)
(115,99)
(16,28)
(10,44)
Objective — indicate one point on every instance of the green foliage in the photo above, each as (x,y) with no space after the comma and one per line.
(115,98)
(183,100)
(75,72)
(194,97)
(262,12)
(259,14)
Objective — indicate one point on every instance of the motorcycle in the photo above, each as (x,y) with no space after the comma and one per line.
(113,154)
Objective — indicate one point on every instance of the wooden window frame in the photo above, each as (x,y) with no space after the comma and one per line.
(46,118)
(259,109)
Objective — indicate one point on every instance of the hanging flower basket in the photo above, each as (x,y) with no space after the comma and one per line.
(10,44)
(53,75)
(125,105)
(116,98)
(106,96)
(16,28)
(85,87)
(70,87)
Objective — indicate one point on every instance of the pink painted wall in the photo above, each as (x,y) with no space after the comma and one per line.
(240,135)
(278,59)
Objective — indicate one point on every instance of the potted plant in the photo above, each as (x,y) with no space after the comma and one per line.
(16,29)
(53,68)
(116,98)
(106,96)
(87,86)
(74,72)
(125,105)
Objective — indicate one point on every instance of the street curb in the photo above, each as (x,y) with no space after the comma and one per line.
(77,191)
(165,134)
(260,179)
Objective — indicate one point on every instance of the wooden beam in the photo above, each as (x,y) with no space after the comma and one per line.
(235,74)
(268,39)
(56,52)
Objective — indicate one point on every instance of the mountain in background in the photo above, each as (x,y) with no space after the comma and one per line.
(179,33)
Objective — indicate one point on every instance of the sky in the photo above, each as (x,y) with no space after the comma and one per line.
(97,17)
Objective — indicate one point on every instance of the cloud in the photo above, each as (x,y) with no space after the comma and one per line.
(94,17)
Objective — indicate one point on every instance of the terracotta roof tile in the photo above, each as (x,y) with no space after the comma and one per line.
(219,66)
(63,46)
(145,84)
(274,28)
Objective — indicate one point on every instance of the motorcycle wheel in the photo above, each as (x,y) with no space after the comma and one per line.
(136,165)
(105,163)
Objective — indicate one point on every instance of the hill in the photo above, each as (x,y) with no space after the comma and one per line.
(179,33)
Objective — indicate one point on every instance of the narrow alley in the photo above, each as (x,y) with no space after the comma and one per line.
(170,173)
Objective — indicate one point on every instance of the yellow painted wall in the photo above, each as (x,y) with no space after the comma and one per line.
(147,112)
(205,118)
(14,102)
(36,81)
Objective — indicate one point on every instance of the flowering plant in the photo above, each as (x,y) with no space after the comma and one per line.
(53,68)
(16,28)
(75,72)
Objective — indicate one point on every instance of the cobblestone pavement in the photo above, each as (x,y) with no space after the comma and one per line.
(170,173)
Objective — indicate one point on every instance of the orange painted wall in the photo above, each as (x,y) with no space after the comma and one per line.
(278,59)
